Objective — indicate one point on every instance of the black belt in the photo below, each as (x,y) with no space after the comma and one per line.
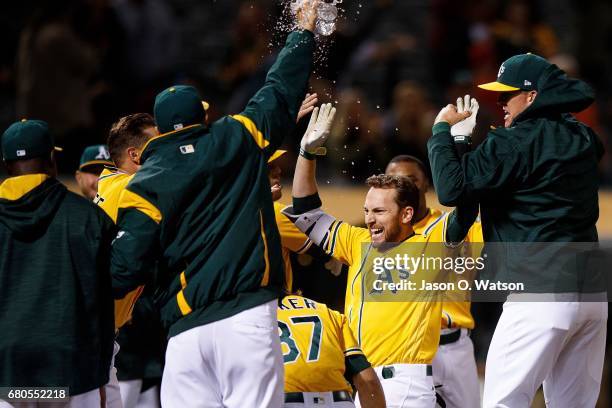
(338,396)
(389,372)
(450,337)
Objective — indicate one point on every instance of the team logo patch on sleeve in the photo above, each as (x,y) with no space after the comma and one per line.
(186,149)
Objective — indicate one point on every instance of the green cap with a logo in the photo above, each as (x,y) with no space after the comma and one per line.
(95,156)
(178,107)
(520,72)
(27,139)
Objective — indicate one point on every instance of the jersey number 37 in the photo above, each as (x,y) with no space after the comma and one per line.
(315,338)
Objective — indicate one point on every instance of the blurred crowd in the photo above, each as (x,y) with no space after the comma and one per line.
(80,64)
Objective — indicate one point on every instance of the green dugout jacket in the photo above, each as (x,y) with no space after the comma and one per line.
(537,186)
(201,206)
(537,180)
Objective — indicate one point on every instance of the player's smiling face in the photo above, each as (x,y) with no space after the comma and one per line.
(514,103)
(274,175)
(386,221)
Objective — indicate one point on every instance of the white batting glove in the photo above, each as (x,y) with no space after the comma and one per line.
(319,128)
(466,126)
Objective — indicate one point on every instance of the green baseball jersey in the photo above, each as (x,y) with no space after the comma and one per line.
(201,206)
(56,318)
(536,182)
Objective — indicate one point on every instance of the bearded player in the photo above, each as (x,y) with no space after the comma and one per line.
(454,367)
(399,338)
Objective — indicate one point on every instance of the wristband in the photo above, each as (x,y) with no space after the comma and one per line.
(306,155)
(321,151)
(463,139)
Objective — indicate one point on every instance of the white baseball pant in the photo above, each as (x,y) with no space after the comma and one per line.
(234,362)
(411,386)
(113,392)
(133,397)
(454,373)
(558,344)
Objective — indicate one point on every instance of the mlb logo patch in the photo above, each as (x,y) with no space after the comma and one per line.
(178,126)
(20,153)
(527,83)
(186,149)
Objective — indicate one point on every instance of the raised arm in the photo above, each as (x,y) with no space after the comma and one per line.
(466,212)
(334,237)
(463,179)
(304,178)
(272,112)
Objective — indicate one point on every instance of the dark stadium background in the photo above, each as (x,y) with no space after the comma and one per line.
(80,64)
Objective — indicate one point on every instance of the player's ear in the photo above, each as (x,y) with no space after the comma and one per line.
(531,96)
(407,214)
(133,155)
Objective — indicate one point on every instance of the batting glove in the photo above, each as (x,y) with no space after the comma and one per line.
(466,126)
(319,129)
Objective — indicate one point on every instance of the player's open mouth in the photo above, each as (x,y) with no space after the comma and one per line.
(376,233)
(506,114)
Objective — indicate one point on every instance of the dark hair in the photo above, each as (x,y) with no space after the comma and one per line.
(128,132)
(406,158)
(407,193)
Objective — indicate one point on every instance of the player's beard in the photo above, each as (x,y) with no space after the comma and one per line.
(391,233)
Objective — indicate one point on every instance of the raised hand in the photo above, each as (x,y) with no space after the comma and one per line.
(307,105)
(307,15)
(467,104)
(319,128)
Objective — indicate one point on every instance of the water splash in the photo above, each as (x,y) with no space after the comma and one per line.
(328,14)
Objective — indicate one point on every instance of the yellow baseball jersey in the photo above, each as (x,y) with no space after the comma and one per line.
(292,240)
(454,314)
(110,186)
(316,343)
(389,332)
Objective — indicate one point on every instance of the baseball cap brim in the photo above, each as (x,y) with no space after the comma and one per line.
(277,154)
(498,87)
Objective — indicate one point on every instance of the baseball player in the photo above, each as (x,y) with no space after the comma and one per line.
(55,296)
(536,180)
(320,353)
(292,239)
(399,338)
(454,366)
(93,160)
(201,207)
(126,139)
